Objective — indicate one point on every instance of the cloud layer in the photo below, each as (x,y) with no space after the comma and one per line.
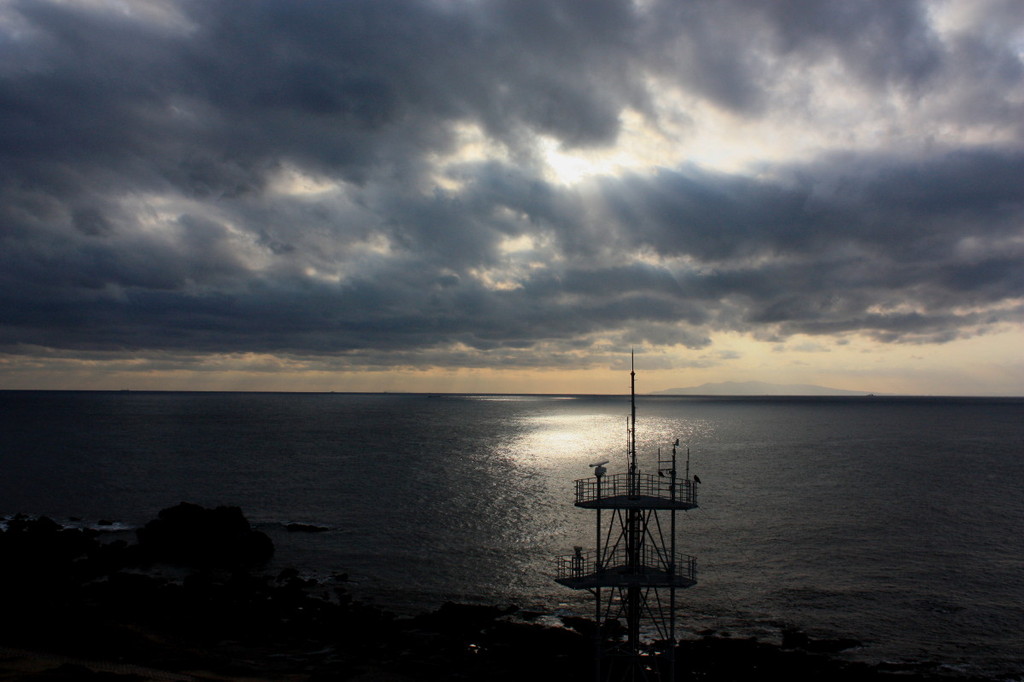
(377,180)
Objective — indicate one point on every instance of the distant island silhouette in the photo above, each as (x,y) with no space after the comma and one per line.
(756,388)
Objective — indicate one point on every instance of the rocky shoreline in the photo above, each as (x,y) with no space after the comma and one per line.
(189,601)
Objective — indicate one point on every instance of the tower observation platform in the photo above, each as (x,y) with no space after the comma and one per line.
(640,491)
(584,571)
(634,570)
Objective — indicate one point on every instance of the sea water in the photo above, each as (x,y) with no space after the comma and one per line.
(895,521)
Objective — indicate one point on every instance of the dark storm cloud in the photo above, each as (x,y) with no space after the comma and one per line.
(148,157)
(735,52)
(819,250)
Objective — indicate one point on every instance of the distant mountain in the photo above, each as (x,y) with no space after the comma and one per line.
(756,388)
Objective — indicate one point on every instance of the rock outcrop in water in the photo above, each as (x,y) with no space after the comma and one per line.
(191,535)
(79,602)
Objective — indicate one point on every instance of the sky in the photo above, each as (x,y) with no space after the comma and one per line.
(509,195)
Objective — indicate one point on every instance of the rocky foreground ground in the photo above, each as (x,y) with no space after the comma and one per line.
(189,601)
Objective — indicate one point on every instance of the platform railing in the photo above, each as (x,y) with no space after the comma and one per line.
(582,564)
(643,485)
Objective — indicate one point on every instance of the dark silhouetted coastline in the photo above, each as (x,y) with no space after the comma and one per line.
(191,599)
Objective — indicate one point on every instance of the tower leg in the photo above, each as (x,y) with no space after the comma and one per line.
(597,635)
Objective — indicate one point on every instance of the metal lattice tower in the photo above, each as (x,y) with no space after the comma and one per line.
(633,571)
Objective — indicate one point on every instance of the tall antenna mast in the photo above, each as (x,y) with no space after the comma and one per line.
(632,415)
(636,563)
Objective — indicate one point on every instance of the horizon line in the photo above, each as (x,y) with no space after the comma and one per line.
(653,394)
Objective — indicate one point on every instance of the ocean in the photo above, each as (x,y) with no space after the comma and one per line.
(898,522)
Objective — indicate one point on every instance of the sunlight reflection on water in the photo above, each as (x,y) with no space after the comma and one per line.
(569,440)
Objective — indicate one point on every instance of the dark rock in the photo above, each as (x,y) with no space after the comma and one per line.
(462,619)
(797,639)
(191,535)
(42,558)
(305,528)
(794,639)
(832,646)
(72,672)
(584,626)
(42,525)
(287,575)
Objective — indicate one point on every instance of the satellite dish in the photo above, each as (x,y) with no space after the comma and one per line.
(599,464)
